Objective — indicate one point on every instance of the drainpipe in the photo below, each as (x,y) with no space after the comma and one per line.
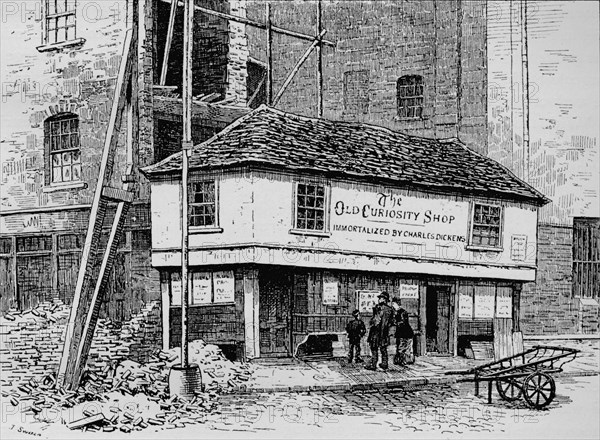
(525,72)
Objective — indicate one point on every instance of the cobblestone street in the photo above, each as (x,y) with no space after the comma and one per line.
(444,411)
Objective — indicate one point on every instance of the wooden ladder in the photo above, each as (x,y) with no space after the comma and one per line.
(98,257)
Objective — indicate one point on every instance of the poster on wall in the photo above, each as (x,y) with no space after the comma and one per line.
(224,286)
(484,302)
(465,305)
(409,291)
(366,300)
(504,307)
(175,289)
(518,247)
(201,288)
(330,292)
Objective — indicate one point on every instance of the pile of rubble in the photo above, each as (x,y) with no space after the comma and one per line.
(114,392)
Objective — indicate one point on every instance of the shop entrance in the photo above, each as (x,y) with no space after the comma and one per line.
(274,313)
(437,329)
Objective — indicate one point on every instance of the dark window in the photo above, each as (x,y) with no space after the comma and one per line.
(487,225)
(256,84)
(310,207)
(409,93)
(70,242)
(34,244)
(141,240)
(586,257)
(5,245)
(59,21)
(202,204)
(356,92)
(61,138)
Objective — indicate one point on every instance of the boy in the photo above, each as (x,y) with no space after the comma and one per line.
(356,330)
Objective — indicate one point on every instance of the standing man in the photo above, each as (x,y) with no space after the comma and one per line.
(379,334)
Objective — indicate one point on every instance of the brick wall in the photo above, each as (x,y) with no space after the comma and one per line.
(444,42)
(547,306)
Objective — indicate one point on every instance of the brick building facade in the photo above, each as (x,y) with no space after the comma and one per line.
(426,68)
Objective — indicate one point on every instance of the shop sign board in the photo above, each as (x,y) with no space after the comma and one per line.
(399,224)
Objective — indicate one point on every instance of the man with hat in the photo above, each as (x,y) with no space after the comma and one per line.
(379,334)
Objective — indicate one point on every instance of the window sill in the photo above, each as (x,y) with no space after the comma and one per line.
(64,186)
(312,233)
(407,119)
(62,45)
(204,230)
(228,303)
(483,248)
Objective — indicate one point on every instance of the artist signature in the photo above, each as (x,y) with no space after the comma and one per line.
(25,431)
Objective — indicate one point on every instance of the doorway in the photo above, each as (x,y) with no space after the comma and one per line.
(274,313)
(437,312)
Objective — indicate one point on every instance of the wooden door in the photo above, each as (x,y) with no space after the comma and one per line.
(34,280)
(437,330)
(274,313)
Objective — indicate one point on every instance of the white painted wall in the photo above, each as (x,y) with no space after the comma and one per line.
(257,212)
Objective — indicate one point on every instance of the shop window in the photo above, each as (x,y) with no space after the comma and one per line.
(486,226)
(409,94)
(63,155)
(204,288)
(59,25)
(202,204)
(356,92)
(310,207)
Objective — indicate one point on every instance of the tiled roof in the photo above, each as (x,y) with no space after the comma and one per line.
(270,138)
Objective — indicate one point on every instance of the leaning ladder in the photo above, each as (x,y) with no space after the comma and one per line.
(98,257)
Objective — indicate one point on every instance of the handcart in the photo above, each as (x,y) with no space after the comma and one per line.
(526,374)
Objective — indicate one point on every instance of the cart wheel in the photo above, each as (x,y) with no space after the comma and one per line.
(539,389)
(509,389)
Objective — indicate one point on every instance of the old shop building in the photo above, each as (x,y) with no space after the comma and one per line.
(294,222)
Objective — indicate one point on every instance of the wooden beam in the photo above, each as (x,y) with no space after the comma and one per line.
(301,61)
(165,65)
(68,375)
(93,311)
(257,24)
(319,62)
(269,56)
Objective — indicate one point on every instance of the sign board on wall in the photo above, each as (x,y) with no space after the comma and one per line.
(484,302)
(330,291)
(518,247)
(503,307)
(176,289)
(366,300)
(399,224)
(224,286)
(465,305)
(201,288)
(409,291)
